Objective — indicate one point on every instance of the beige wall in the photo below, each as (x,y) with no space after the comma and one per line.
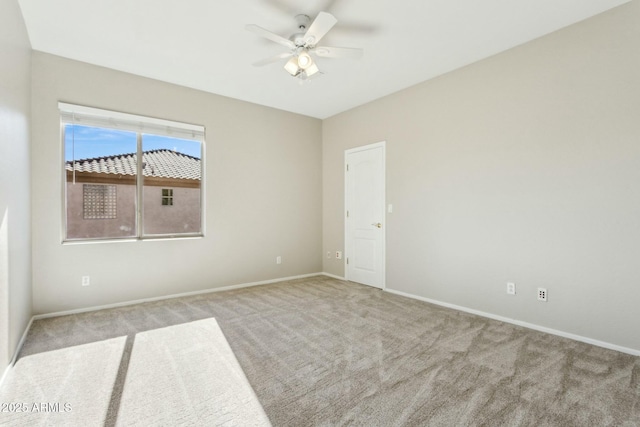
(15,230)
(262,193)
(524,167)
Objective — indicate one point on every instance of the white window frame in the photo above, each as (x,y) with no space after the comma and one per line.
(95,117)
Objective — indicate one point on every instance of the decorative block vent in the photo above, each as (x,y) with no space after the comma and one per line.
(99,201)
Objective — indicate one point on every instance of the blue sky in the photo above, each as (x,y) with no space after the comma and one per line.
(84,142)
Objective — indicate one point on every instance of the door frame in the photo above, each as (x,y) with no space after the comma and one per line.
(383,145)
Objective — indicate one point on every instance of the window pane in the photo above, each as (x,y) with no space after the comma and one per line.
(172,172)
(100,169)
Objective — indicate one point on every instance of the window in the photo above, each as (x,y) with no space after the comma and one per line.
(117,166)
(167,197)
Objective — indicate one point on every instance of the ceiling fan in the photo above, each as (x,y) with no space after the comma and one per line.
(303,44)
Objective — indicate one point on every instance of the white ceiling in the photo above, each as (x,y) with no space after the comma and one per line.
(203,44)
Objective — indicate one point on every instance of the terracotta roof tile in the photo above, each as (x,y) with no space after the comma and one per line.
(158,163)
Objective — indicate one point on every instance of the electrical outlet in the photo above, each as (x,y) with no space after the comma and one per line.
(542,294)
(511,288)
(278,259)
(338,254)
(86,280)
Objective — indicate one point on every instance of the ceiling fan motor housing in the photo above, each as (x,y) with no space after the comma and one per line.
(302,21)
(298,39)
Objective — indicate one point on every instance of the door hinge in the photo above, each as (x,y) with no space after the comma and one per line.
(347,167)
(347,260)
(347,214)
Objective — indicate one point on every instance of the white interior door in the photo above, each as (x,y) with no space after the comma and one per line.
(365,214)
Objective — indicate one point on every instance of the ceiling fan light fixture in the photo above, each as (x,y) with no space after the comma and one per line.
(292,66)
(311,70)
(301,66)
(305,61)
(300,63)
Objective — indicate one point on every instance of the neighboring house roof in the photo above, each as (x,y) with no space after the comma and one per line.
(157,163)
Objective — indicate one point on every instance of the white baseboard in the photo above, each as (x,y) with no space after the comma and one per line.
(164,297)
(21,342)
(333,276)
(16,352)
(598,343)
(4,374)
(563,334)
(126,303)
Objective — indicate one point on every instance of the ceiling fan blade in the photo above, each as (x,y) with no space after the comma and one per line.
(320,26)
(269,35)
(273,59)
(338,52)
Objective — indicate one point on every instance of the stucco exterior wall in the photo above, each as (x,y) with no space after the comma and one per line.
(181,217)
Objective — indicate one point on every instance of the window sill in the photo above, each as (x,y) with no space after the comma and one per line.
(163,238)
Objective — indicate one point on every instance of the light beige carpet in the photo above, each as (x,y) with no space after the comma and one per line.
(66,387)
(187,375)
(182,375)
(324,352)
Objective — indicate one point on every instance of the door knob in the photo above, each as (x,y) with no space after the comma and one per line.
(377,224)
